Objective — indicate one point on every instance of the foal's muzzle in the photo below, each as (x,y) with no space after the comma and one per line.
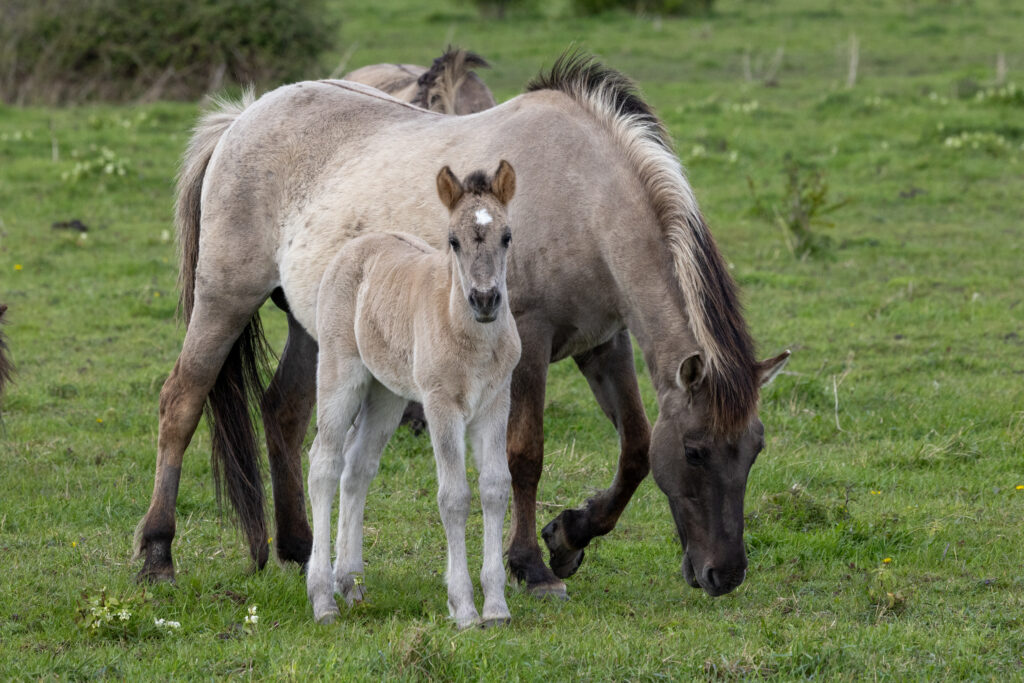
(485,304)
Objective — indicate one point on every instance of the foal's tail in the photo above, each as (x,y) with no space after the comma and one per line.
(5,362)
(229,412)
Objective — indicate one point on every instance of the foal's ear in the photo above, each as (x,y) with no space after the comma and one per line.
(767,370)
(690,373)
(449,189)
(504,184)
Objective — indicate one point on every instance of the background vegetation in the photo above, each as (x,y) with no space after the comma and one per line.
(884,518)
(54,51)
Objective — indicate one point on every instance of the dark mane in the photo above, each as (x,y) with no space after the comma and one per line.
(449,60)
(713,307)
(576,71)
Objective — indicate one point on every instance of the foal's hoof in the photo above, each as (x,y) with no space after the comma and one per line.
(553,590)
(564,559)
(352,588)
(325,611)
(496,621)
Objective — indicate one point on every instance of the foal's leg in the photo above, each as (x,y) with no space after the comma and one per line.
(213,329)
(377,421)
(447,436)
(286,407)
(525,461)
(342,387)
(611,373)
(487,436)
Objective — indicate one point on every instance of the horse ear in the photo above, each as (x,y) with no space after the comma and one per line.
(767,370)
(690,373)
(504,183)
(449,189)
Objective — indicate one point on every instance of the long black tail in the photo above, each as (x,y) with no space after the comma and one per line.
(230,411)
(231,404)
(6,368)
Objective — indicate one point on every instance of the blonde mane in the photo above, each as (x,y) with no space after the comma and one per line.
(713,308)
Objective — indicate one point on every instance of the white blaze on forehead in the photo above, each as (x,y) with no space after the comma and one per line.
(483,217)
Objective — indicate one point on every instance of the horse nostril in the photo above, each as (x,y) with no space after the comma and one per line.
(485,300)
(711,578)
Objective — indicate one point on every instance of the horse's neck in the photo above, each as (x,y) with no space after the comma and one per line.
(655,312)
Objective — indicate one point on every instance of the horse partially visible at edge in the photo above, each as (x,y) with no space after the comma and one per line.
(449,86)
(6,367)
(398,320)
(610,241)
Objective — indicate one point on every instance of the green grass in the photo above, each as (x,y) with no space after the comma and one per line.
(898,431)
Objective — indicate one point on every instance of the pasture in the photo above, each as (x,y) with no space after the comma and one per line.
(883,519)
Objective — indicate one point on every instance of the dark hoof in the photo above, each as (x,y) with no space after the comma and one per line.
(158,565)
(499,621)
(295,550)
(554,590)
(564,559)
(155,575)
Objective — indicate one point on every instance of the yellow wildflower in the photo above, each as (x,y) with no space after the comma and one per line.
(887,560)
(17,266)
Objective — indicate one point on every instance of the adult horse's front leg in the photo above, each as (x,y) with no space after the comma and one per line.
(526,460)
(610,371)
(213,329)
(287,406)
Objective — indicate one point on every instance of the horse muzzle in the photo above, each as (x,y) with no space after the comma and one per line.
(714,580)
(485,304)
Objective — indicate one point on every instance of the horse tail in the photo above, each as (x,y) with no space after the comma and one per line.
(231,403)
(6,369)
(439,85)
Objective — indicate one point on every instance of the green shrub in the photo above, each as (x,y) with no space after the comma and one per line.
(55,51)
(668,7)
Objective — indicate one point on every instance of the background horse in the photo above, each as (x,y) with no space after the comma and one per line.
(397,320)
(611,241)
(449,86)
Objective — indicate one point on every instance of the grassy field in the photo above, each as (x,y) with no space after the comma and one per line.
(884,518)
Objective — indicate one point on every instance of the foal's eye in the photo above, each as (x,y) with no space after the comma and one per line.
(696,456)
(454,242)
(506,239)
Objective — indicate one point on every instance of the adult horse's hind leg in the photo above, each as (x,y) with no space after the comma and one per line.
(377,421)
(611,374)
(287,406)
(526,460)
(212,331)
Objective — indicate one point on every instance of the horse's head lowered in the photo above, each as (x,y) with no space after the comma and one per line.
(479,234)
(704,475)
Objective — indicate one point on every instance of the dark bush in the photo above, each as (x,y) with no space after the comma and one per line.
(666,7)
(54,51)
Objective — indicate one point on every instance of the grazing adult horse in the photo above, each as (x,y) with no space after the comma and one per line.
(397,320)
(449,86)
(610,240)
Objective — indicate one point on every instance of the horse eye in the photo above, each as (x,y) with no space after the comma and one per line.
(506,239)
(695,456)
(454,242)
